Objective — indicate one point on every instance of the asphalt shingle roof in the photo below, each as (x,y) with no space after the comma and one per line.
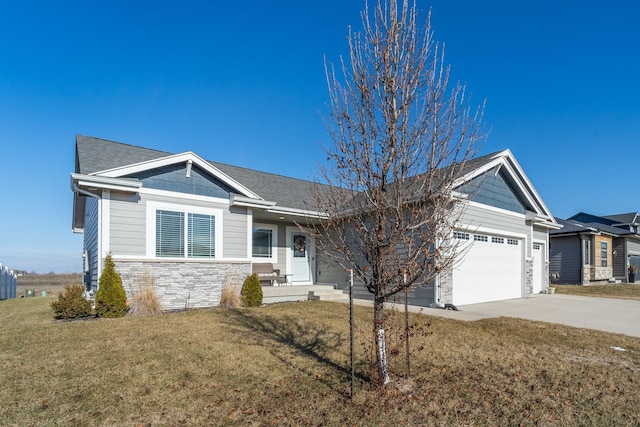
(627,218)
(572,226)
(96,154)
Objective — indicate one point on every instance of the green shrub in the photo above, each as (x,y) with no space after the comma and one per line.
(111,299)
(251,291)
(71,303)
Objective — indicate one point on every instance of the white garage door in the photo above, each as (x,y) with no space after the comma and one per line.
(490,269)
(538,262)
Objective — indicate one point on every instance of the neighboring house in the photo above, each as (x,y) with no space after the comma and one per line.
(581,253)
(569,257)
(193,223)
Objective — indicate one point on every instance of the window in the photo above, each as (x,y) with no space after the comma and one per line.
(169,234)
(512,242)
(202,236)
(480,238)
(497,240)
(171,230)
(262,242)
(536,247)
(587,252)
(463,236)
(603,253)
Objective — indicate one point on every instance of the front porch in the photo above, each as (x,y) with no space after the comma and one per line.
(324,292)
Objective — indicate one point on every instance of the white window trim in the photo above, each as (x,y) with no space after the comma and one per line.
(152,207)
(274,243)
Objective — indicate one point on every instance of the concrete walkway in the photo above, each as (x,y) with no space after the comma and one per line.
(603,314)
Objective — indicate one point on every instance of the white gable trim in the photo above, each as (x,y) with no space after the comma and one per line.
(507,160)
(189,158)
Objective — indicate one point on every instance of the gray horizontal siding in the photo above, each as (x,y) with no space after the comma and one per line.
(476,216)
(127,225)
(234,223)
(619,260)
(565,259)
(633,247)
(540,234)
(234,234)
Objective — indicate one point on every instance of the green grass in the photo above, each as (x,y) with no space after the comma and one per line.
(288,364)
(626,291)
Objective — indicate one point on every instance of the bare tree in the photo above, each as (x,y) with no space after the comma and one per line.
(400,143)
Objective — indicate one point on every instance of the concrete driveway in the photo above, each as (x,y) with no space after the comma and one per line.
(603,314)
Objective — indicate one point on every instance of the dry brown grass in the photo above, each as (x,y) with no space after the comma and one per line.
(230,296)
(621,291)
(288,364)
(144,300)
(51,283)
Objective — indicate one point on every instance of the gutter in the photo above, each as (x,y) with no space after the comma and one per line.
(77,189)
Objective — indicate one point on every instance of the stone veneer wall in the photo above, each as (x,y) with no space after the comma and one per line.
(446,287)
(596,274)
(528,277)
(183,285)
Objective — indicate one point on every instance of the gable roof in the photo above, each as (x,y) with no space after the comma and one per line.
(571,226)
(96,156)
(101,158)
(506,161)
(625,222)
(626,219)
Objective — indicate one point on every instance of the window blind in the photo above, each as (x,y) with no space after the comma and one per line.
(201,241)
(169,234)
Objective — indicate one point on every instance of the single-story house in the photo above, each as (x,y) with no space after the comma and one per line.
(194,223)
(591,248)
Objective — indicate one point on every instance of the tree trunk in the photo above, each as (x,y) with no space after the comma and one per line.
(381,344)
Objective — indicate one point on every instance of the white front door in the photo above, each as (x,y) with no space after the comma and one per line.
(538,264)
(299,256)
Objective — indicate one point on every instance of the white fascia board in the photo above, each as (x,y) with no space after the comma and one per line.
(297,212)
(477,172)
(105,183)
(550,225)
(239,200)
(526,184)
(506,159)
(271,207)
(185,157)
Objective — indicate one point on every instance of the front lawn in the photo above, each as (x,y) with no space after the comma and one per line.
(623,291)
(288,364)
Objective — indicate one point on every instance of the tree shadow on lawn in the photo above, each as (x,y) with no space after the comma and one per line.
(306,339)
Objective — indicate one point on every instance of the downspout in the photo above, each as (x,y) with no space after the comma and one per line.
(436,293)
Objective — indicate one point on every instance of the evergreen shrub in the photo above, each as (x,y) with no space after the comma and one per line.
(251,291)
(111,299)
(71,303)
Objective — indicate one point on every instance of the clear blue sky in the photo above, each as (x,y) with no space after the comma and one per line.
(242,83)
